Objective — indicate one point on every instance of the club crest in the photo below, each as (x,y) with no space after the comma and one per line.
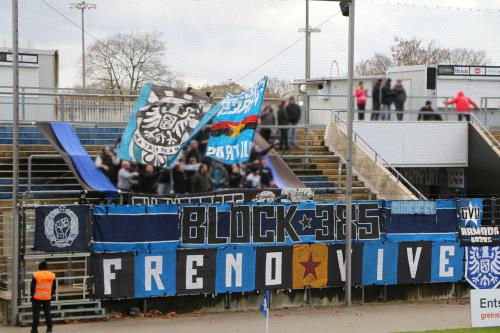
(470,212)
(166,122)
(483,266)
(61,227)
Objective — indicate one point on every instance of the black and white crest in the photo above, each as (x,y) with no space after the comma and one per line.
(166,122)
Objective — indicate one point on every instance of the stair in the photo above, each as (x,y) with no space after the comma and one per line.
(63,311)
(322,170)
(496,135)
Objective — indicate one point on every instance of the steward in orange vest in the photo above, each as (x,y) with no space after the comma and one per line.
(43,288)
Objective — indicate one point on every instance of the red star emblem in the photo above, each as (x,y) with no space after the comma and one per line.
(310,266)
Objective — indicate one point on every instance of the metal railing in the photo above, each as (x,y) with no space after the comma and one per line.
(486,131)
(399,177)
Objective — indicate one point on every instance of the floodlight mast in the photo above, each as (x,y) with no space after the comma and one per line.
(15,165)
(347,9)
(83,6)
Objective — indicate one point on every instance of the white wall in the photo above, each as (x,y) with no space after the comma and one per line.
(417,144)
(44,74)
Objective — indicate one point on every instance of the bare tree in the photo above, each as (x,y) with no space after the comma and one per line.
(218,90)
(377,64)
(415,51)
(125,61)
(463,56)
(280,88)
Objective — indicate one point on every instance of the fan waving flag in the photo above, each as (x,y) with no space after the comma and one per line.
(233,128)
(162,122)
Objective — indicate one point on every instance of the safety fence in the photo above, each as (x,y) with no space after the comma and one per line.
(102,105)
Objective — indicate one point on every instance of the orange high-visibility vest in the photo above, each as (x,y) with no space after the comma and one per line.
(43,287)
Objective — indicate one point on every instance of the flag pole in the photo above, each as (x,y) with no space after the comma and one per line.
(267,319)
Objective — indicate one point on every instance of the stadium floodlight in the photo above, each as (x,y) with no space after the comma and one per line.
(83,6)
(347,9)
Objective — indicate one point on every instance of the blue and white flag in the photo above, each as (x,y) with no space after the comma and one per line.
(162,122)
(233,128)
(264,304)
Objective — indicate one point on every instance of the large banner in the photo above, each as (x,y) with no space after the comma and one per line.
(61,228)
(232,130)
(162,123)
(218,248)
(248,268)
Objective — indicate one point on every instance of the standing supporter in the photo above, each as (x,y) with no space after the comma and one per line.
(181,184)
(283,121)
(361,96)
(43,289)
(399,96)
(126,178)
(149,180)
(427,113)
(218,173)
(163,182)
(376,99)
(194,151)
(201,181)
(235,177)
(108,163)
(202,138)
(267,119)
(387,99)
(462,105)
(253,179)
(293,112)
(190,169)
(266,174)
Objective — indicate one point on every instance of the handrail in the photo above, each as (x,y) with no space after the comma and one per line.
(475,120)
(398,174)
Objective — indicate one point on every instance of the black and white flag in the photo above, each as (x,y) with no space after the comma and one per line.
(61,228)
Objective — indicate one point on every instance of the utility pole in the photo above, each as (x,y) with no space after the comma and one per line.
(83,6)
(15,163)
(350,117)
(308,44)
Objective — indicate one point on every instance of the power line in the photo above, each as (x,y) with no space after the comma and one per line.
(283,50)
(432,7)
(72,22)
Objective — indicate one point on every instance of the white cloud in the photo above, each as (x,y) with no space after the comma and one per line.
(216,40)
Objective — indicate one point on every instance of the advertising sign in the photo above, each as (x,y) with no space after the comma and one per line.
(485,307)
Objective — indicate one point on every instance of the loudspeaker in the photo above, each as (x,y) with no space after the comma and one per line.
(344,7)
(431,78)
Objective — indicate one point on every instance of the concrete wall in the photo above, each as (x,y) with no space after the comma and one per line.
(483,173)
(293,298)
(375,175)
(417,144)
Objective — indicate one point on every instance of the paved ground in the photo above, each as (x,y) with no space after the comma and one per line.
(373,318)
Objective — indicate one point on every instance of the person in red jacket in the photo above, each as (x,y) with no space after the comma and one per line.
(462,105)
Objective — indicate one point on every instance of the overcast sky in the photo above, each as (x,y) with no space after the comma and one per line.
(210,41)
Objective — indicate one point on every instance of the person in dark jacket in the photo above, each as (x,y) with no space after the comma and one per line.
(399,98)
(108,162)
(293,111)
(180,178)
(427,113)
(149,180)
(201,181)
(267,119)
(387,99)
(235,177)
(376,99)
(283,121)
